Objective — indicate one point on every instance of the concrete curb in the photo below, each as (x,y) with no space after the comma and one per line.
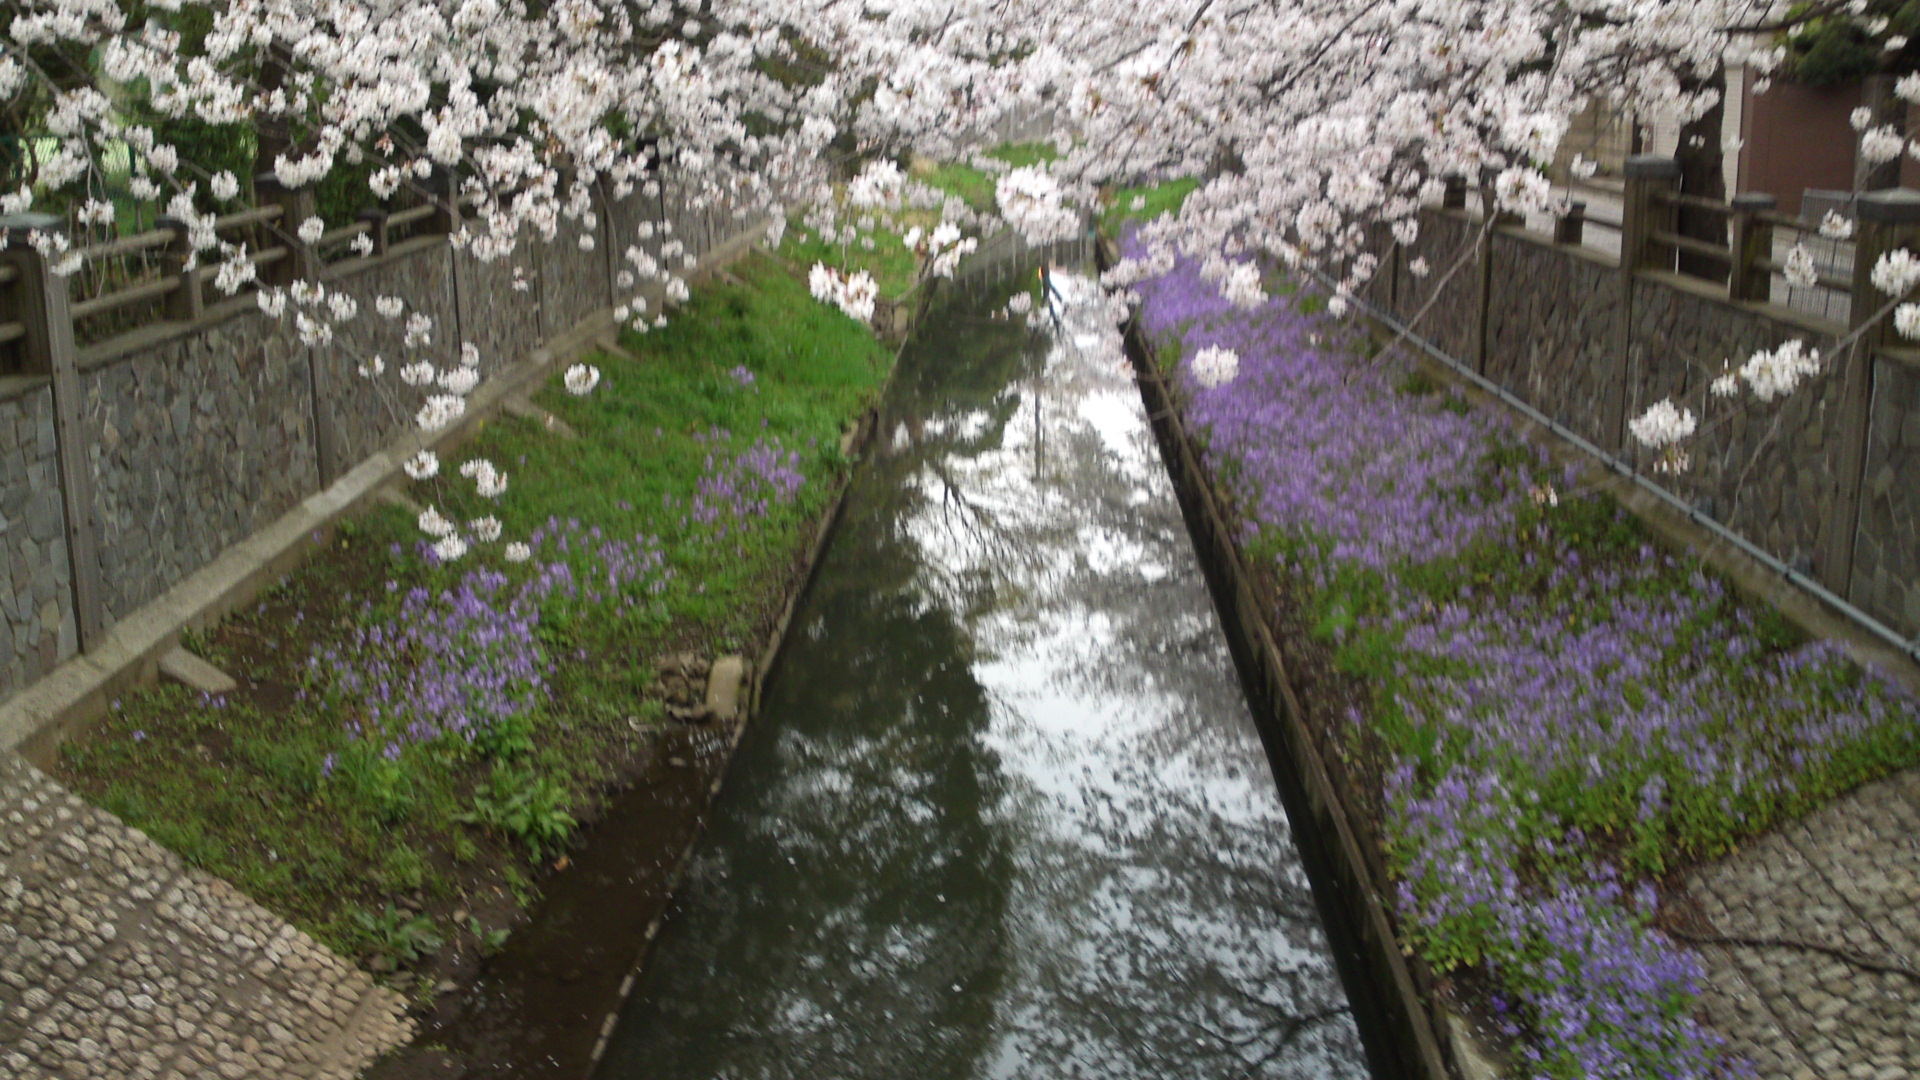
(39,717)
(1404,1028)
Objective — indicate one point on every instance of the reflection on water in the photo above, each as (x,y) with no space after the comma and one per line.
(1005,814)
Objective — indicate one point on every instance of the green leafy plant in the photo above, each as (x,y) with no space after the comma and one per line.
(530,808)
(397,938)
(491,941)
(379,783)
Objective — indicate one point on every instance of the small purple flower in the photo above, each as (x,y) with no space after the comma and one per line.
(1562,696)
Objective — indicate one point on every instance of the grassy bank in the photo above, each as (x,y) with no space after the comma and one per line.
(880,252)
(1548,716)
(974,185)
(1144,203)
(414,742)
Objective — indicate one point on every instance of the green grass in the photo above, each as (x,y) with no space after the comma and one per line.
(976,186)
(890,263)
(241,788)
(1155,200)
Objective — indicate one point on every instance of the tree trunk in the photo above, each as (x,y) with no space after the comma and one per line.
(1700,175)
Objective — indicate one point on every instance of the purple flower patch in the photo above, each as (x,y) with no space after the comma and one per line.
(1563,717)
(467,660)
(737,486)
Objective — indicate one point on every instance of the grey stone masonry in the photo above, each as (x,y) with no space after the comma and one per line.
(1816,971)
(1886,561)
(368,411)
(36,597)
(1556,343)
(193,445)
(1448,244)
(1562,327)
(1768,470)
(119,961)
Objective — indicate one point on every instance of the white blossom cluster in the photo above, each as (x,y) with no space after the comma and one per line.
(1897,272)
(1215,366)
(1773,373)
(1032,202)
(580,379)
(517,104)
(942,249)
(1309,122)
(854,294)
(1799,268)
(1663,428)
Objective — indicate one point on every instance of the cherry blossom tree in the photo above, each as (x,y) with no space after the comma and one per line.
(1308,121)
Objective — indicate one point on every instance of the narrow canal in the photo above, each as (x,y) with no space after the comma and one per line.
(1005,813)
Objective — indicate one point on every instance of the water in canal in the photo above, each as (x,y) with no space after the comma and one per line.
(1005,813)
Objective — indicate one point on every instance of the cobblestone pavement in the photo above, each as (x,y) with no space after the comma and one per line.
(117,960)
(1842,885)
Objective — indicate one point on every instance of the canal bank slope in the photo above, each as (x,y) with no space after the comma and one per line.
(404,866)
(1850,865)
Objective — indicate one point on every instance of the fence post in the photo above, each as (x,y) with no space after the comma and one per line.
(378,230)
(608,237)
(296,205)
(1885,221)
(187,300)
(303,264)
(1571,227)
(449,218)
(48,348)
(1641,213)
(1639,216)
(1752,240)
(1483,281)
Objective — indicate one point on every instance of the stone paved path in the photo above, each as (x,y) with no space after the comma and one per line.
(118,961)
(1847,878)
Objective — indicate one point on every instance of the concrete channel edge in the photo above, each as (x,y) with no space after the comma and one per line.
(1407,1032)
(756,673)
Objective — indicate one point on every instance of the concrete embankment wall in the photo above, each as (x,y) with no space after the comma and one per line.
(184,437)
(1826,480)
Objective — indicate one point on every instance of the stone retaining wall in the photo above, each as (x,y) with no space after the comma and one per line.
(1449,321)
(193,444)
(1556,342)
(1768,471)
(1562,328)
(35,594)
(195,435)
(504,323)
(1886,561)
(573,282)
(368,413)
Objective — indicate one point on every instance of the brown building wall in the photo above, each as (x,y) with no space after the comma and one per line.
(1797,137)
